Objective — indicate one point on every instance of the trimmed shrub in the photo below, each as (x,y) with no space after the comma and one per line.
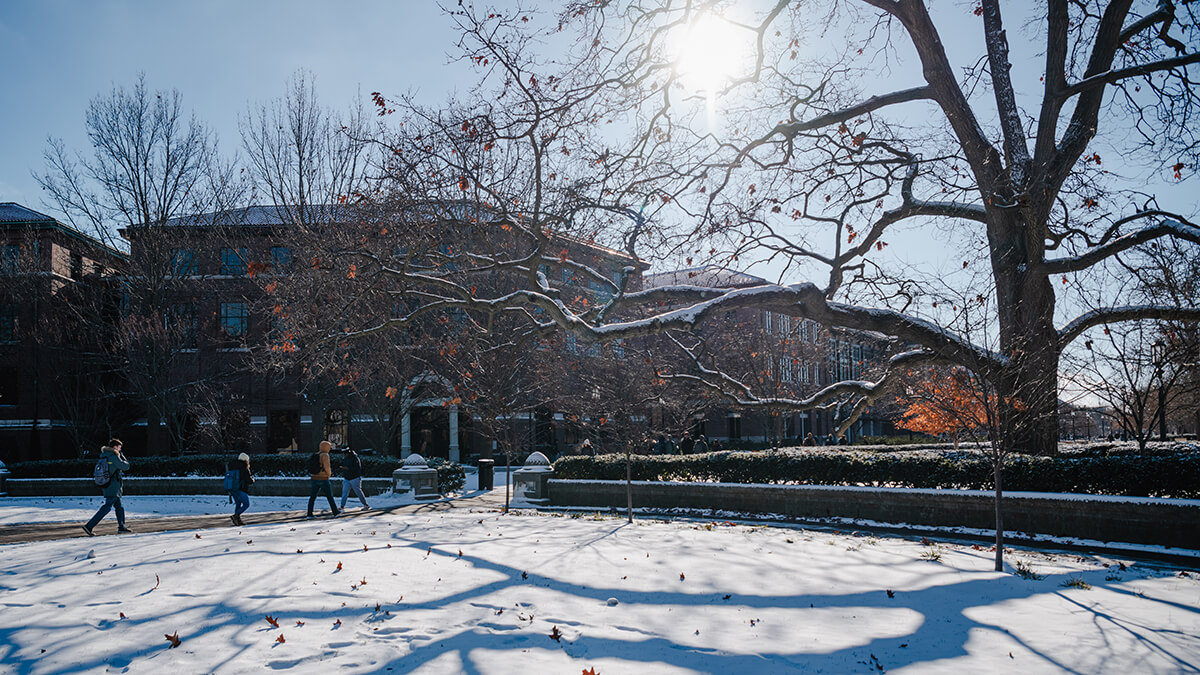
(451,475)
(1161,474)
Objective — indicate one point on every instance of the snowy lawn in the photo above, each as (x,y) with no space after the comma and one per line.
(486,593)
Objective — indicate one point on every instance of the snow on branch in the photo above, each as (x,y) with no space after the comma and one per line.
(1114,76)
(874,103)
(1167,228)
(858,394)
(1105,315)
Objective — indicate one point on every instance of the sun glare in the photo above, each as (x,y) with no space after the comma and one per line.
(708,55)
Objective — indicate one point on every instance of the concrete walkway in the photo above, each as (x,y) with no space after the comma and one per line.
(18,534)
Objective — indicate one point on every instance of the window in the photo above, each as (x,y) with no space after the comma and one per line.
(567,276)
(735,426)
(234,318)
(8,264)
(233,261)
(8,323)
(10,387)
(76,266)
(281,259)
(183,320)
(766,322)
(183,262)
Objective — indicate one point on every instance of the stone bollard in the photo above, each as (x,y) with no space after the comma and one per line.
(4,474)
(531,482)
(415,476)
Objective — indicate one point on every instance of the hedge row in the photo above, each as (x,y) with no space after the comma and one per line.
(451,476)
(1160,475)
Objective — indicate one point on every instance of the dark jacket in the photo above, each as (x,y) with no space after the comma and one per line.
(351,465)
(117,464)
(245,478)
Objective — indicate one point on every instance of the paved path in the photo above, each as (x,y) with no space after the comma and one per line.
(17,534)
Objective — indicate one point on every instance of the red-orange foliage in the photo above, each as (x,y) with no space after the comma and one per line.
(944,404)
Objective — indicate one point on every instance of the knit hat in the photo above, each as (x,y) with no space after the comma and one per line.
(326,446)
(243,457)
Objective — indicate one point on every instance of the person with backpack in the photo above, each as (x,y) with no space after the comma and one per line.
(319,473)
(351,471)
(237,480)
(107,474)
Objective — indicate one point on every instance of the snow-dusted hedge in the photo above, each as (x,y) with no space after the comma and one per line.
(1165,472)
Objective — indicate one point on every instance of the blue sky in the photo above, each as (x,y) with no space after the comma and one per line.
(220,54)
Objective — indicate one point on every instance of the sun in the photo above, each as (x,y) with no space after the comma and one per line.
(709,52)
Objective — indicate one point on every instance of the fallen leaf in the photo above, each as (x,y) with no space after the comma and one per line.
(273,621)
(338,568)
(890,593)
(681,576)
(122,615)
(299,623)
(555,634)
(337,624)
(197,536)
(173,639)
(280,639)
(364,547)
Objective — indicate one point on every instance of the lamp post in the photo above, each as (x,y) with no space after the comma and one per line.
(1158,353)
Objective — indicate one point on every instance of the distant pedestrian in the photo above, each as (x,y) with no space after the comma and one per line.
(701,445)
(841,440)
(660,445)
(319,473)
(716,445)
(810,439)
(113,457)
(830,440)
(686,445)
(352,478)
(241,487)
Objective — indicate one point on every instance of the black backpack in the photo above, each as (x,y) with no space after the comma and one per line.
(314,464)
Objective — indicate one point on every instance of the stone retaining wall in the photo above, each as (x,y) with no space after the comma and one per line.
(266,487)
(1165,522)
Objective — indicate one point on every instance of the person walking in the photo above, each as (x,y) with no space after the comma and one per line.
(319,474)
(352,478)
(241,487)
(701,445)
(810,440)
(117,464)
(686,445)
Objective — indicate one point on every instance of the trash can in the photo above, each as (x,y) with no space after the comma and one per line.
(487,474)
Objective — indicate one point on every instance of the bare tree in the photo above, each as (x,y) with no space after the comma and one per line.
(150,168)
(304,157)
(817,162)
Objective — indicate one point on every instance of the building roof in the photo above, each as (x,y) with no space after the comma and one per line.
(261,216)
(12,212)
(15,215)
(708,276)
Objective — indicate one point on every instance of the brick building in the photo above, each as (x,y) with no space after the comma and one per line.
(47,270)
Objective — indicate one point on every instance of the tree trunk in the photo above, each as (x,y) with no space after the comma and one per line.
(1028,386)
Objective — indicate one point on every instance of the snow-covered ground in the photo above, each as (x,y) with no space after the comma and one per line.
(482,592)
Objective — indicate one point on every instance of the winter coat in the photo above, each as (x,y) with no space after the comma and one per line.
(325,472)
(352,466)
(245,478)
(116,464)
